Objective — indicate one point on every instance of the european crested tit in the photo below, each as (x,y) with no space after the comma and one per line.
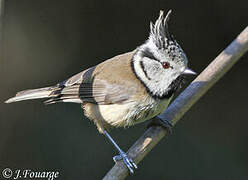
(127,89)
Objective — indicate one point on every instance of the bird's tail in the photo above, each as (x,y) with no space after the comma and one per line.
(32,94)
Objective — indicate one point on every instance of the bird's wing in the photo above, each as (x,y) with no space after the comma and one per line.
(103,92)
(92,85)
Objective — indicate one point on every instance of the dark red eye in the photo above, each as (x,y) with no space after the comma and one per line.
(165,65)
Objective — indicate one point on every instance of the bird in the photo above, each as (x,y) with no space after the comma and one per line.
(127,89)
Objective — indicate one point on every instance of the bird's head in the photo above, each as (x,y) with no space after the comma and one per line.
(160,62)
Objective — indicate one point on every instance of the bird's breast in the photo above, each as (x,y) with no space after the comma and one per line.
(133,112)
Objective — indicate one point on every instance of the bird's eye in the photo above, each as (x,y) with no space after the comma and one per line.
(165,65)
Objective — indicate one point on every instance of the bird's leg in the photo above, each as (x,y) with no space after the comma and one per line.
(156,121)
(122,155)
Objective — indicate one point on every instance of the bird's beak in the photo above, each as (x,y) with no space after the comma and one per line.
(189,71)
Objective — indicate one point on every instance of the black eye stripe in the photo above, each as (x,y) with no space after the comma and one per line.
(147,53)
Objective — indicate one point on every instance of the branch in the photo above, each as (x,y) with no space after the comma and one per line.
(183,103)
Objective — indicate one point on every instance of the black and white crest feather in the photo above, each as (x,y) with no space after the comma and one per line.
(159,32)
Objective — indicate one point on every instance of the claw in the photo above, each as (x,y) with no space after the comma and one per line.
(117,158)
(127,161)
(123,156)
(159,122)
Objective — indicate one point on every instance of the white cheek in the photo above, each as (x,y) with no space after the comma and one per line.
(154,72)
(156,79)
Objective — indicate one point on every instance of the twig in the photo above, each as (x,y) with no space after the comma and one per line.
(183,103)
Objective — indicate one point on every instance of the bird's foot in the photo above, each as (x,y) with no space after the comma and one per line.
(160,122)
(127,161)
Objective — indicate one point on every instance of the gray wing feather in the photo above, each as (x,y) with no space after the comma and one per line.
(85,87)
(106,93)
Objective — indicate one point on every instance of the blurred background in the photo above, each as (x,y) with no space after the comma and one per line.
(45,42)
